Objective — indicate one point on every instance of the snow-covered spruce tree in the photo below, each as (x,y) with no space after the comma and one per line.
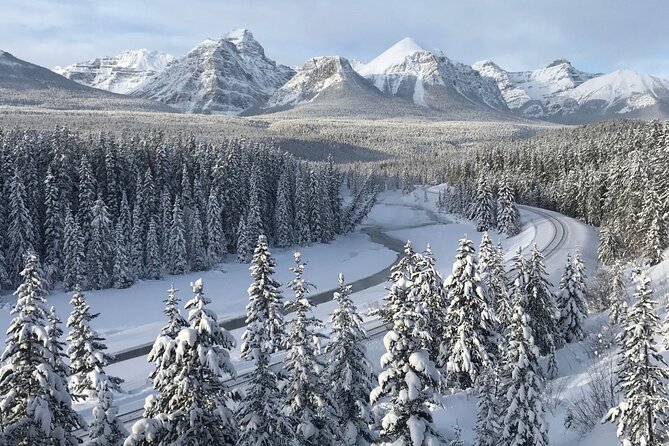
(244,246)
(428,287)
(106,429)
(642,414)
(154,424)
(493,275)
(87,194)
(176,253)
(488,427)
(571,302)
(457,437)
(87,353)
(215,235)
(618,295)
(260,416)
(302,228)
(197,253)
(349,374)
(656,239)
(470,325)
(54,227)
(121,274)
(540,305)
(99,253)
(137,239)
(20,230)
(284,234)
(154,259)
(35,406)
(75,258)
(65,420)
(482,210)
(409,376)
(521,402)
(199,413)
(308,399)
(507,215)
(610,249)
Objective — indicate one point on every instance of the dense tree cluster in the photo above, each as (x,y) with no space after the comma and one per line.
(103,210)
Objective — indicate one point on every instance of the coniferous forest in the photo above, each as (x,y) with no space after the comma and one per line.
(103,211)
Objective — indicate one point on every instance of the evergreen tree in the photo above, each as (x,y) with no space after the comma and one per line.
(349,373)
(74,265)
(20,232)
(65,420)
(522,380)
(284,236)
(641,416)
(244,243)
(261,420)
(137,241)
(121,275)
(176,258)
(99,254)
(87,353)
(571,301)
(302,228)
(307,399)
(158,406)
(617,297)
(87,195)
(35,405)
(470,326)
(428,287)
(194,394)
(507,216)
(488,428)
(106,429)
(53,229)
(610,247)
(215,230)
(540,306)
(409,376)
(197,253)
(154,268)
(493,276)
(483,206)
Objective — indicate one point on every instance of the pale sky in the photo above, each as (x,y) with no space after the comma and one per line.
(596,35)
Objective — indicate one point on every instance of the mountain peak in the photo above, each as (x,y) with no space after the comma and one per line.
(239,35)
(558,62)
(394,55)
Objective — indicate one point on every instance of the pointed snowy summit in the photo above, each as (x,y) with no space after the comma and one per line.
(394,55)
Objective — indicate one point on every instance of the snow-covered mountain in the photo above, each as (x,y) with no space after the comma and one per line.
(320,77)
(329,86)
(562,93)
(122,73)
(23,83)
(428,78)
(224,76)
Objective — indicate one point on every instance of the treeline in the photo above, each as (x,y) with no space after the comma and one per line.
(103,210)
(611,174)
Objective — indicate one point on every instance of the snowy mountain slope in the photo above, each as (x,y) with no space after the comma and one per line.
(26,84)
(622,91)
(330,86)
(428,78)
(224,76)
(560,92)
(119,74)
